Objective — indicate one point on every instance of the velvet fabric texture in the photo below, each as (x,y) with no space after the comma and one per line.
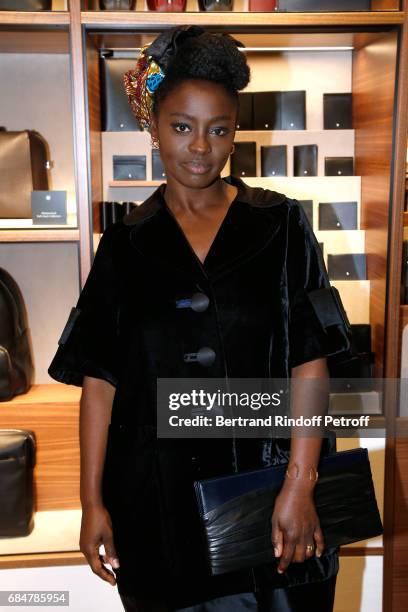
(126,329)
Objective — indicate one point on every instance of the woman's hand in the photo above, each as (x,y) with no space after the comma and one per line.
(295,525)
(96,529)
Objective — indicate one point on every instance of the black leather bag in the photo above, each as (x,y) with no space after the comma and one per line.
(243,160)
(293,110)
(16,366)
(347,266)
(305,160)
(338,216)
(17,461)
(337,111)
(339,166)
(117,5)
(245,120)
(25,5)
(236,509)
(117,115)
(215,5)
(129,167)
(273,160)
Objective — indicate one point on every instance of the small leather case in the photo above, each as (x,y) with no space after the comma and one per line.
(245,119)
(116,112)
(215,5)
(293,110)
(311,6)
(305,160)
(307,206)
(273,160)
(338,216)
(158,172)
(263,6)
(337,111)
(167,6)
(339,166)
(267,110)
(129,167)
(243,160)
(348,266)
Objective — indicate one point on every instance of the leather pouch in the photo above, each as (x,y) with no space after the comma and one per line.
(158,172)
(23,169)
(245,111)
(243,160)
(236,510)
(267,110)
(337,111)
(215,5)
(347,266)
(273,160)
(116,112)
(17,461)
(305,160)
(339,166)
(338,216)
(129,167)
(293,110)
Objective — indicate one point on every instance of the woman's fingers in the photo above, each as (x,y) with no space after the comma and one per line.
(110,551)
(277,540)
(319,539)
(289,545)
(95,561)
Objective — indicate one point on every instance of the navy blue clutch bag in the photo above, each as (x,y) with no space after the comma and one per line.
(236,509)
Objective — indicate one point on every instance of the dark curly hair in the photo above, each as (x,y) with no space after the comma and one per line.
(212,57)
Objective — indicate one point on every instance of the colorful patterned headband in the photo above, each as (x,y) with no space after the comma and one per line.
(140,85)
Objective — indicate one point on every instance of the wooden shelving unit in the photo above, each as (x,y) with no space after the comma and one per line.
(34,19)
(39,235)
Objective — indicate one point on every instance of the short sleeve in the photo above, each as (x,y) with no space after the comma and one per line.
(89,343)
(318,323)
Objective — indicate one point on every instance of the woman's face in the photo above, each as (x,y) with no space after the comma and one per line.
(196,128)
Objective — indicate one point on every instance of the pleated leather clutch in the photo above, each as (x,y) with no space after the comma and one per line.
(236,509)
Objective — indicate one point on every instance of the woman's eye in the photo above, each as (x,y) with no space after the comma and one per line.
(220,131)
(180,127)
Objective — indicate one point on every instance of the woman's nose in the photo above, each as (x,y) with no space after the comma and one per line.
(199,144)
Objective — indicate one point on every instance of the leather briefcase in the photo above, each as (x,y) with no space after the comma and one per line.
(307,206)
(243,160)
(339,166)
(166,6)
(245,120)
(347,266)
(305,160)
(267,110)
(17,461)
(337,111)
(129,167)
(293,110)
(23,169)
(338,216)
(117,115)
(273,160)
(25,5)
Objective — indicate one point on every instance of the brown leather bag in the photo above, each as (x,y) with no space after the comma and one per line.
(23,169)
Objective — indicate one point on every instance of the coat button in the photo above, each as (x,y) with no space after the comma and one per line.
(205,356)
(198,302)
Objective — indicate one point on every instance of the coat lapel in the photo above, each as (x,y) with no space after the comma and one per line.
(244,232)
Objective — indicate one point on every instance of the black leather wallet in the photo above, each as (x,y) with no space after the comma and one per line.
(243,160)
(117,115)
(338,215)
(347,266)
(245,112)
(273,160)
(236,509)
(337,111)
(339,166)
(293,110)
(267,110)
(305,160)
(129,167)
(307,206)
(158,171)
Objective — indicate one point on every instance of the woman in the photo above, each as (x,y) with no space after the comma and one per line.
(207,263)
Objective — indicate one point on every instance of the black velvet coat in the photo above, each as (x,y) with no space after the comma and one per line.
(258,275)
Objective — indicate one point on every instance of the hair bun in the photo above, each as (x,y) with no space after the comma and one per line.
(165,46)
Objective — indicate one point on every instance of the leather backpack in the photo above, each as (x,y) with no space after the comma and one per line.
(16,366)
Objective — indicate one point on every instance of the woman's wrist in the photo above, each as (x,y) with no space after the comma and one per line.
(300,477)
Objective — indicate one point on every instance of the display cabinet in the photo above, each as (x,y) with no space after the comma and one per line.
(361,54)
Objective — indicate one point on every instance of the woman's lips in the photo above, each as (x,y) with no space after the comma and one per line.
(197,167)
